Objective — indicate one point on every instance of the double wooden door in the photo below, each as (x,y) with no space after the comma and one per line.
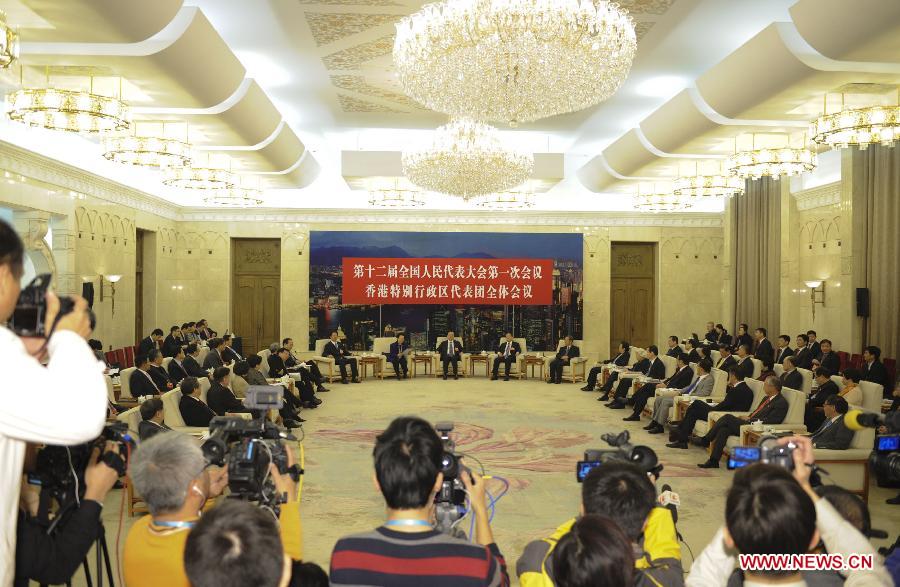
(632,300)
(257,292)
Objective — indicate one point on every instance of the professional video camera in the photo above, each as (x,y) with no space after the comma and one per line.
(247,447)
(885,459)
(768,451)
(31,308)
(450,500)
(623,450)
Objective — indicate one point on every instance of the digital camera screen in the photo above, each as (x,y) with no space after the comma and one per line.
(585,467)
(741,456)
(889,443)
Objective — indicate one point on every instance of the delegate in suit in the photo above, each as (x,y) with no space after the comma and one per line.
(833,433)
(738,398)
(342,357)
(654,368)
(450,351)
(564,356)
(620,360)
(813,414)
(507,353)
(681,378)
(701,387)
(397,355)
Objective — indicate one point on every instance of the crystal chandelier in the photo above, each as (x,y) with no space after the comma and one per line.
(68,110)
(206,172)
(9,43)
(514,60)
(467,158)
(860,127)
(659,197)
(148,150)
(776,159)
(706,178)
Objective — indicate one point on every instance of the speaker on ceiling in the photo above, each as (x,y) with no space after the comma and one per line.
(862,302)
(87,292)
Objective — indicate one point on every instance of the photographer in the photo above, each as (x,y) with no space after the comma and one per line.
(408,472)
(63,404)
(55,558)
(622,492)
(594,553)
(170,474)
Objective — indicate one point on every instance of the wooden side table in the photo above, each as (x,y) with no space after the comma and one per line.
(681,406)
(475,359)
(534,361)
(425,360)
(364,363)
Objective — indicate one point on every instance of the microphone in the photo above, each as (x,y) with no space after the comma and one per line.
(670,500)
(860,420)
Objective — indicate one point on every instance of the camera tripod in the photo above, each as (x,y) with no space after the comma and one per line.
(101,550)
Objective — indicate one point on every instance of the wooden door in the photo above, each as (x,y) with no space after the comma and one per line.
(138,285)
(632,307)
(256,309)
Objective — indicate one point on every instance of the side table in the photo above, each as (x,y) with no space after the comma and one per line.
(534,361)
(475,359)
(421,360)
(364,363)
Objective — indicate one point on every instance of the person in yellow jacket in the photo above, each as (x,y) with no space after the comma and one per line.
(622,492)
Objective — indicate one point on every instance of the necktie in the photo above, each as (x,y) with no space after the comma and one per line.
(690,388)
(567,351)
(151,380)
(506,353)
(760,408)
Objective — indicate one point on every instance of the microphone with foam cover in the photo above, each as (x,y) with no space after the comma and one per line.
(859,420)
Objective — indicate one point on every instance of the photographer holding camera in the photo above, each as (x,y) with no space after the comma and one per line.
(63,403)
(170,473)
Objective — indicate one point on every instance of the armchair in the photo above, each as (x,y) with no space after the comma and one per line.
(703,426)
(436,359)
(517,369)
(171,407)
(793,420)
(125,382)
(757,367)
(576,369)
(325,364)
(381,346)
(264,355)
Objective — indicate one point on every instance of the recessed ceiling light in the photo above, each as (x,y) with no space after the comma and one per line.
(662,86)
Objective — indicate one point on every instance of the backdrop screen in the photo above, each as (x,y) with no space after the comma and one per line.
(369,284)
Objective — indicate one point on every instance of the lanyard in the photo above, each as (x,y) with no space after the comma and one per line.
(175,524)
(408,522)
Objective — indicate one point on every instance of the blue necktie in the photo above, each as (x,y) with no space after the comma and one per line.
(691,387)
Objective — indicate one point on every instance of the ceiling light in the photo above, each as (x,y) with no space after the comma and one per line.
(234,198)
(511,200)
(68,110)
(147,151)
(9,43)
(396,198)
(467,158)
(770,155)
(514,60)
(662,86)
(706,178)
(208,171)
(860,127)
(659,197)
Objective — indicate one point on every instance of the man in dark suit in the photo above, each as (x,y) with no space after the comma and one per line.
(620,360)
(813,417)
(204,331)
(833,433)
(158,372)
(784,349)
(507,353)
(192,361)
(722,336)
(827,358)
(743,337)
(743,361)
(815,348)
(214,358)
(277,368)
(656,369)
(692,349)
(397,356)
(674,350)
(679,380)
(177,371)
(220,398)
(640,366)
(738,398)
(294,363)
(193,411)
(173,342)
(564,356)
(711,336)
(450,351)
(151,342)
(228,353)
(873,369)
(152,419)
(791,377)
(342,357)
(726,359)
(763,348)
(771,410)
(802,356)
(141,381)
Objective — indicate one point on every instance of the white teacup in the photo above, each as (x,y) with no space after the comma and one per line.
(758,426)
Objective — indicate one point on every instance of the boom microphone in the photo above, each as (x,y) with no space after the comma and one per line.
(859,420)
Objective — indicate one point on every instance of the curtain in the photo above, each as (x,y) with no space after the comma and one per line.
(756,222)
(877,174)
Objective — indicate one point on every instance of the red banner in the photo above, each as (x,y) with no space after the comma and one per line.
(513,282)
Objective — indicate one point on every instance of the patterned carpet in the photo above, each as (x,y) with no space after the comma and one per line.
(528,432)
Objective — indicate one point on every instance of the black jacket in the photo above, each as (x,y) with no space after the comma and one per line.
(193,368)
(818,397)
(725,339)
(781,354)
(515,349)
(145,346)
(737,399)
(160,377)
(335,349)
(641,366)
(727,363)
(194,412)
(220,399)
(674,352)
(621,359)
(276,366)
(832,362)
(212,360)
(774,412)
(177,372)
(746,368)
(171,345)
(803,358)
(680,379)
(148,429)
(657,369)
(764,350)
(141,384)
(835,436)
(229,354)
(816,349)
(744,339)
(876,373)
(573,352)
(447,353)
(711,336)
(694,356)
(794,380)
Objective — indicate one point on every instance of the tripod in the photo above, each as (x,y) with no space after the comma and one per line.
(101,549)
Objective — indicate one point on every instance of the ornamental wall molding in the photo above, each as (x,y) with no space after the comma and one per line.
(818,197)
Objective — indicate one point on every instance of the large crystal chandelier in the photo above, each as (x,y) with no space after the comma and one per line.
(149,147)
(706,178)
(206,172)
(467,158)
(69,110)
(514,60)
(857,126)
(659,197)
(777,155)
(9,43)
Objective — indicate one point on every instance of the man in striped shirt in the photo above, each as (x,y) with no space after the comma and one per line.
(406,551)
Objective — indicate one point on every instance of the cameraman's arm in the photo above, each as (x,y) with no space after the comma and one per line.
(714,565)
(289,519)
(498,574)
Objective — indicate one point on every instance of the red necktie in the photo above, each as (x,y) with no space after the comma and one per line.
(761,406)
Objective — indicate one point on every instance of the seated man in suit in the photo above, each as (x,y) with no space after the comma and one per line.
(833,433)
(189,332)
(342,357)
(173,342)
(743,361)
(398,356)
(763,348)
(152,419)
(802,356)
(620,360)
(640,366)
(771,410)
(141,382)
(151,342)
(220,398)
(655,369)
(673,349)
(701,387)
(451,352)
(277,368)
(192,361)
(790,377)
(204,331)
(177,371)
(295,363)
(693,349)
(711,336)
(827,358)
(768,370)
(814,346)
(726,359)
(680,378)
(873,369)
(193,411)
(228,353)
(245,376)
(743,337)
(722,337)
(813,417)
(158,372)
(214,358)
(507,353)
(784,349)
(564,357)
(738,398)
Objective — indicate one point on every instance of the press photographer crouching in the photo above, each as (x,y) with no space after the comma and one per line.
(63,403)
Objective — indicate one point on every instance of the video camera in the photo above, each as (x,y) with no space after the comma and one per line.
(31,309)
(450,500)
(642,456)
(885,459)
(768,451)
(248,447)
